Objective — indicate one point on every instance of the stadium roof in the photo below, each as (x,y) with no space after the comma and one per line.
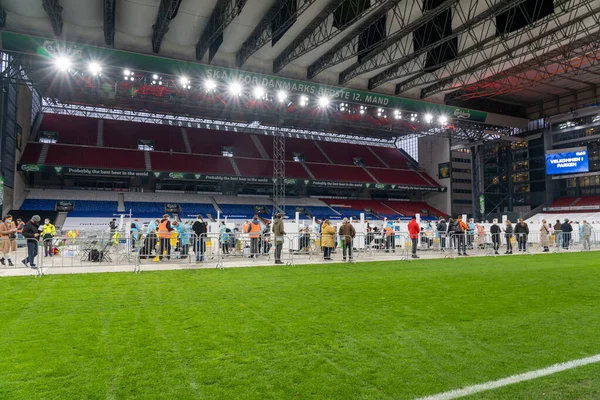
(519,51)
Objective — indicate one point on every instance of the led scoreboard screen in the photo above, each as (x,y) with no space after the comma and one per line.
(567,161)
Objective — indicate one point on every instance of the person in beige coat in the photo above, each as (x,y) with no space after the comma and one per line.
(544,232)
(8,231)
(327,233)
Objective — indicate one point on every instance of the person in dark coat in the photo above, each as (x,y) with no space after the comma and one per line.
(199,228)
(496,232)
(566,229)
(521,231)
(31,232)
(442,227)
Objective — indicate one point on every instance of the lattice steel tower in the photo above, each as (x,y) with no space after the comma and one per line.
(278,172)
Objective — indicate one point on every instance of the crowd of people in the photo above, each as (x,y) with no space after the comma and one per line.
(165,238)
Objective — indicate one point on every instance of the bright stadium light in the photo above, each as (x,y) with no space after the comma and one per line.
(127,72)
(397,114)
(323,102)
(95,68)
(63,63)
(303,101)
(155,77)
(259,92)
(281,96)
(184,80)
(428,118)
(235,88)
(443,119)
(210,85)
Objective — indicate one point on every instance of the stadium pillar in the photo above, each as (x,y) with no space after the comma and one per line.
(478,195)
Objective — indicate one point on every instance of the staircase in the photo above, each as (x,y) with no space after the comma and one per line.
(121,202)
(322,151)
(308,171)
(260,147)
(235,167)
(43,154)
(100,137)
(377,157)
(371,175)
(216,206)
(60,219)
(147,161)
(186,141)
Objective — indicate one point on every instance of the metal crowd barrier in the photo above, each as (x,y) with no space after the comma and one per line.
(223,249)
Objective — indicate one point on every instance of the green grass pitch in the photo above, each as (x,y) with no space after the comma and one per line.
(382,330)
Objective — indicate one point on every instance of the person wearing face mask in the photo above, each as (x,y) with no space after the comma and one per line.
(48,232)
(7,232)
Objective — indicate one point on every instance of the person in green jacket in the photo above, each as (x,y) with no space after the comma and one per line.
(278,236)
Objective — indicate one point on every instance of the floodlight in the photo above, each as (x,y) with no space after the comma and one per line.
(323,102)
(443,119)
(428,118)
(235,88)
(126,72)
(303,101)
(62,63)
(259,92)
(95,68)
(184,81)
(210,85)
(281,96)
(155,77)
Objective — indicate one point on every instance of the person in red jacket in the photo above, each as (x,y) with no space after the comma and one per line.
(413,230)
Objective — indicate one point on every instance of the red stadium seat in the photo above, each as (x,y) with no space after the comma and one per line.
(325,172)
(78,156)
(403,177)
(191,163)
(204,141)
(72,129)
(392,157)
(31,154)
(307,148)
(125,134)
(344,153)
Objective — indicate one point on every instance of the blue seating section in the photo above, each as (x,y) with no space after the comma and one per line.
(189,210)
(96,206)
(38,205)
(237,210)
(142,207)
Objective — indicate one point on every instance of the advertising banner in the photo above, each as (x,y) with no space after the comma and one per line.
(50,48)
(567,161)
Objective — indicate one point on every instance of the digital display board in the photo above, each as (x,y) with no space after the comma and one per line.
(567,161)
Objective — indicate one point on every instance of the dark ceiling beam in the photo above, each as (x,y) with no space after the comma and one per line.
(54,10)
(2,17)
(397,39)
(512,78)
(495,65)
(263,33)
(166,12)
(536,37)
(109,22)
(406,61)
(347,48)
(321,30)
(223,14)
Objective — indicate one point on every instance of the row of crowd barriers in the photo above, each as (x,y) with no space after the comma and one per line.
(220,250)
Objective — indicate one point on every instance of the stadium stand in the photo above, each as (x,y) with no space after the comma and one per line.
(392,157)
(344,173)
(204,141)
(31,153)
(307,148)
(344,153)
(587,201)
(192,163)
(72,129)
(126,134)
(94,157)
(564,202)
(405,177)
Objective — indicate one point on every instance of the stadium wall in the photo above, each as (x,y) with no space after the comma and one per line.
(433,151)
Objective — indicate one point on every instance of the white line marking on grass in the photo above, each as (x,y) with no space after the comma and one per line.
(527,376)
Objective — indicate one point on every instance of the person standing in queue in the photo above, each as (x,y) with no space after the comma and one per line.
(31,233)
(279,234)
(48,233)
(508,232)
(7,229)
(327,241)
(495,231)
(346,236)
(254,232)
(164,236)
(413,231)
(199,228)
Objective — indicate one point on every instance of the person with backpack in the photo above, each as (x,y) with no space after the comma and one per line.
(460,230)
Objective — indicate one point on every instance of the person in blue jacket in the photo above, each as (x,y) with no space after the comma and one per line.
(184,237)
(135,232)
(224,238)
